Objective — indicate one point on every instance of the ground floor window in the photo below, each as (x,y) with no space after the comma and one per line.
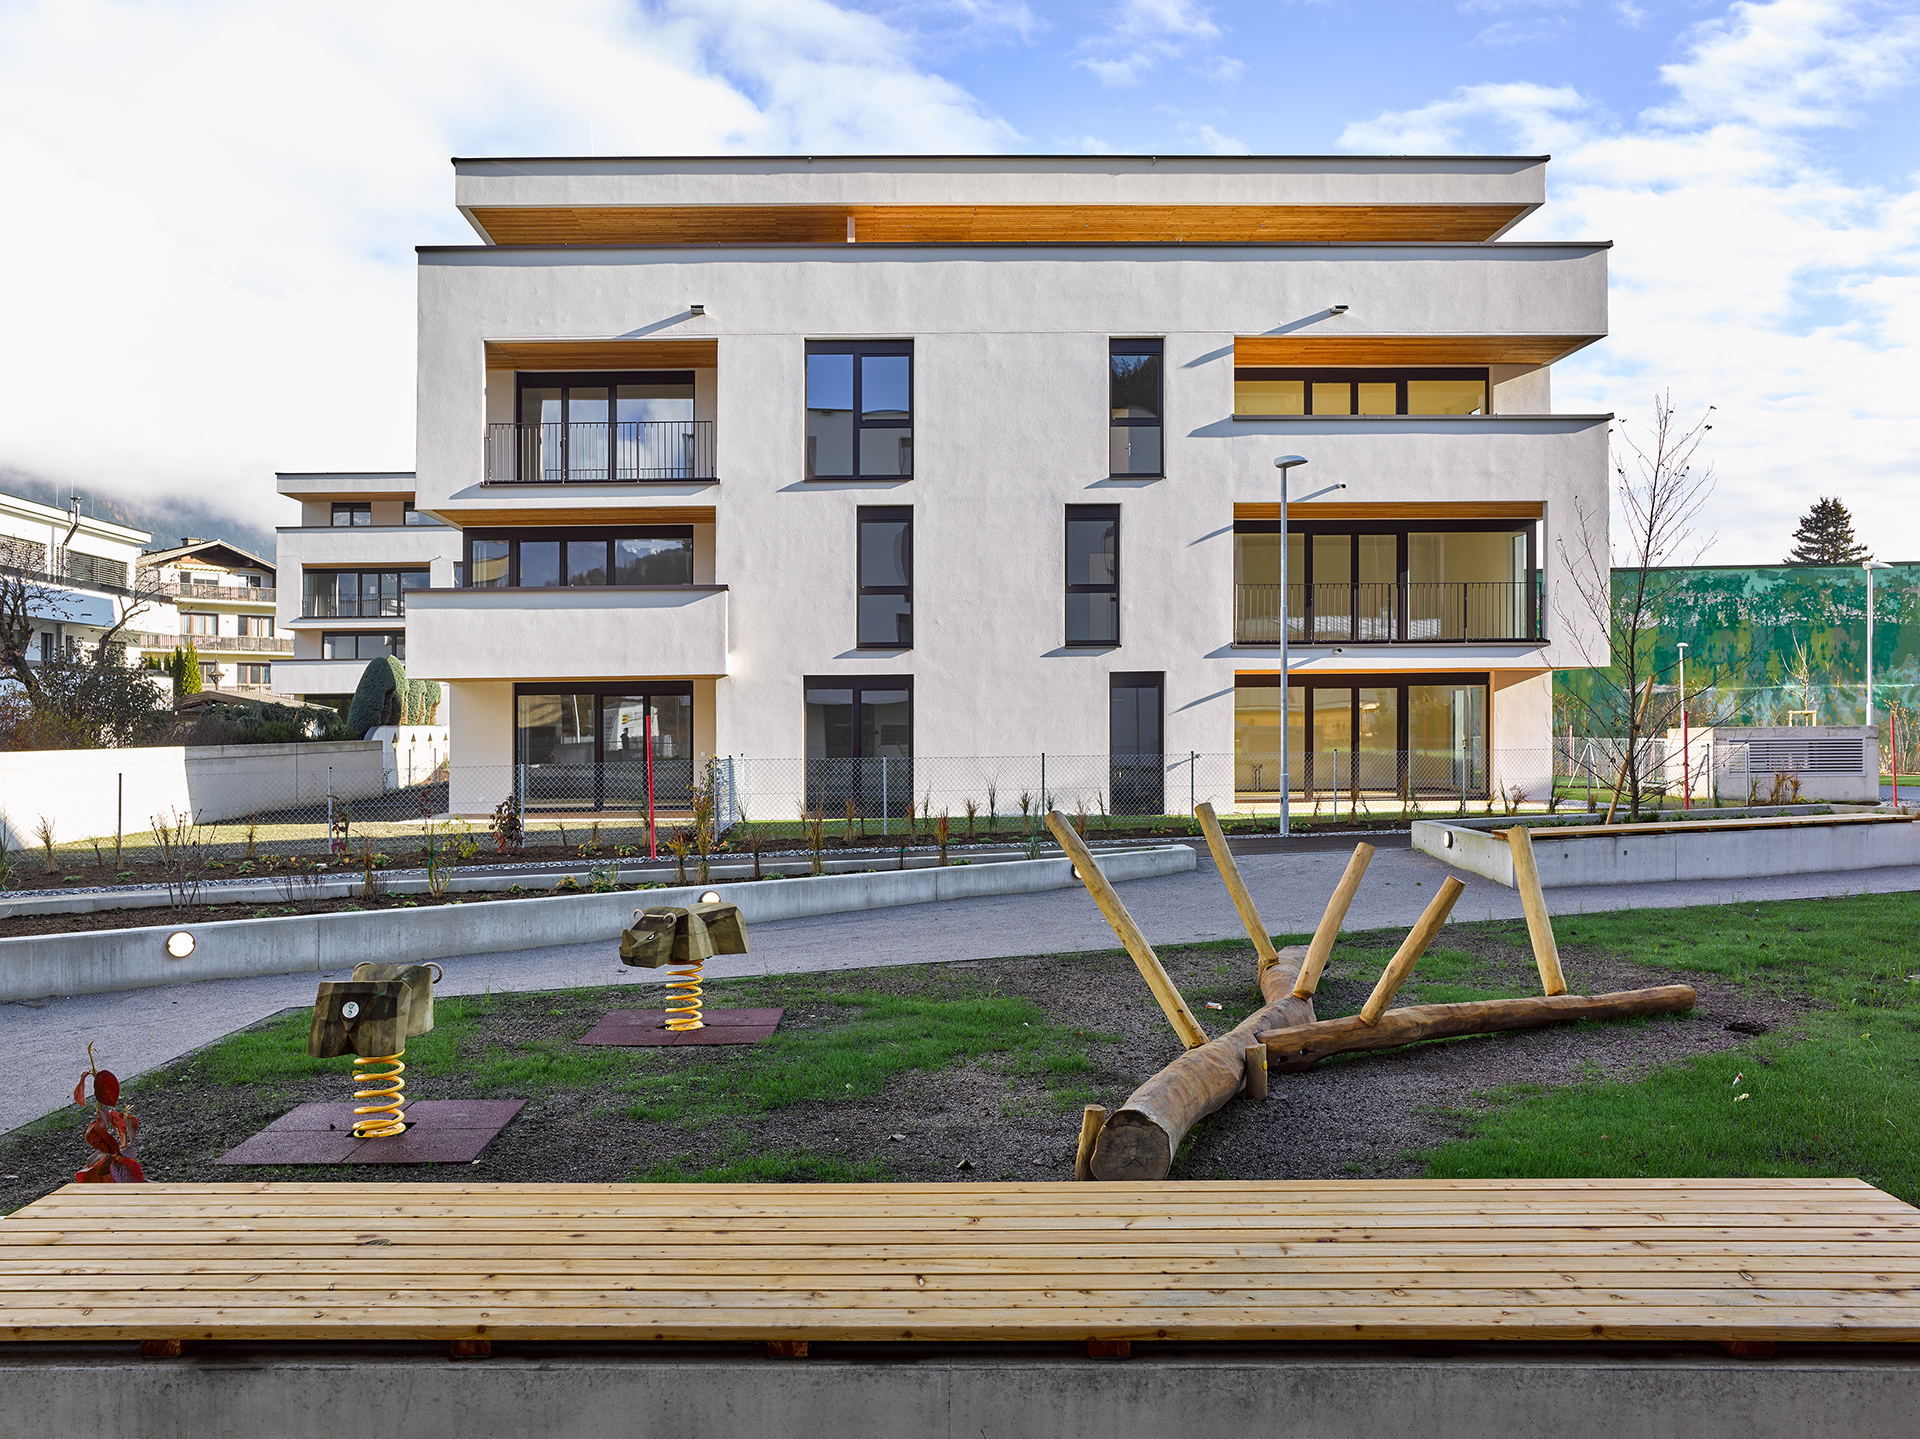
(256,674)
(612,746)
(1136,781)
(1421,735)
(859,744)
(364,645)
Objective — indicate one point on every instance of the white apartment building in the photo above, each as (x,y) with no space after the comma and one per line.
(884,459)
(224,600)
(79,570)
(360,550)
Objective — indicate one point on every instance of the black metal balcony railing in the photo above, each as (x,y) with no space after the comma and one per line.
(1421,612)
(625,451)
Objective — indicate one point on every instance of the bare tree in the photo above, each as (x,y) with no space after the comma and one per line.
(1624,577)
(87,698)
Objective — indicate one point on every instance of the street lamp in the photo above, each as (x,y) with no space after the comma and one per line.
(1284,464)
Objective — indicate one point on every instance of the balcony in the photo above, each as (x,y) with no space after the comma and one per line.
(238,594)
(600,453)
(1420,612)
(600,632)
(211,644)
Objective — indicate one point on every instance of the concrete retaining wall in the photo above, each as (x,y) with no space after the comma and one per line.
(1566,856)
(103,960)
(234,1391)
(85,792)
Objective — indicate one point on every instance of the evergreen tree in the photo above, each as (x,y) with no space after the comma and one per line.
(1825,537)
(190,681)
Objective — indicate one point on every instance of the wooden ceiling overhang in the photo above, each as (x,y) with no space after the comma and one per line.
(988,224)
(1275,351)
(602,354)
(1403,510)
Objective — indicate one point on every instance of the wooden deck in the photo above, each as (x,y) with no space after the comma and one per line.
(1718,1260)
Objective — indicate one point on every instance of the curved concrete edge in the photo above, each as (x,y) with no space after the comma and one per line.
(100,961)
(1727,856)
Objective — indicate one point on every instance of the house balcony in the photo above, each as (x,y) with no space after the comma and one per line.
(602,632)
(231,594)
(1416,612)
(599,452)
(217,644)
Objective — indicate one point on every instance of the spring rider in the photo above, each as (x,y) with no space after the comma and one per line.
(371,1017)
(687,939)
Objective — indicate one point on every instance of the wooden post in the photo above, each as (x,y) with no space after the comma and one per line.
(1237,887)
(1411,949)
(1092,1120)
(1257,1071)
(1526,878)
(1148,963)
(1330,922)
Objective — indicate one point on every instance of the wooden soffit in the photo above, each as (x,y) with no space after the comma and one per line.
(1449,510)
(599,515)
(602,354)
(988,224)
(1273,350)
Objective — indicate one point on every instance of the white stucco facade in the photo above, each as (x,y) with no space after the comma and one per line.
(1010,416)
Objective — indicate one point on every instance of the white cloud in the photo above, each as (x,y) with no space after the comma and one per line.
(1144,33)
(1748,270)
(1210,140)
(209,250)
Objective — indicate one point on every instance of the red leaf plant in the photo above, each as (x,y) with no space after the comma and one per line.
(111,1130)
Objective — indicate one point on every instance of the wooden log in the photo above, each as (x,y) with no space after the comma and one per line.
(1330,922)
(1139,1140)
(1300,1046)
(1236,887)
(1526,878)
(1411,949)
(1144,959)
(1256,1057)
(1092,1120)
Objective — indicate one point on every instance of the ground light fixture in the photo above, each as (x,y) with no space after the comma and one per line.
(179,944)
(1284,464)
(712,896)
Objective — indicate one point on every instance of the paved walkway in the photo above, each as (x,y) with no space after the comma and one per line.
(43,1049)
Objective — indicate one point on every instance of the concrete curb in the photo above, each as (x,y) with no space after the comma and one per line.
(101,961)
(1567,858)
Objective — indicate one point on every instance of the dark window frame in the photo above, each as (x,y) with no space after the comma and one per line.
(396,643)
(858,684)
(600,689)
(1092,513)
(1379,680)
(858,349)
(1143,346)
(566,381)
(1398,376)
(351,509)
(424,581)
(564,533)
(881,514)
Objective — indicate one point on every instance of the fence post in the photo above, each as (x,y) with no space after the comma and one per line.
(119,813)
(329,809)
(886,807)
(1193,763)
(1043,782)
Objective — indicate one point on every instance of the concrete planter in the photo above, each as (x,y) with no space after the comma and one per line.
(1569,855)
(116,959)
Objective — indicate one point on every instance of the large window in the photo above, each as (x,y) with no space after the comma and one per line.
(860,744)
(359,512)
(859,409)
(367,645)
(622,745)
(1360,392)
(1376,734)
(1134,375)
(1137,768)
(1353,583)
(1093,575)
(256,676)
(194,623)
(606,426)
(569,558)
(260,626)
(359,594)
(886,578)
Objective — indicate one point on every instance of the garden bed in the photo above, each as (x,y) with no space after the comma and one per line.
(981,1068)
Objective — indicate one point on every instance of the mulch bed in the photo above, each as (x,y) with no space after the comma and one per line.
(1364,1115)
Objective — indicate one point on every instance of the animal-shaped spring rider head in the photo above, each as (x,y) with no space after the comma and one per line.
(686,938)
(371,1017)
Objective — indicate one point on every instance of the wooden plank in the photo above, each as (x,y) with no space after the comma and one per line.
(609,354)
(1265,351)
(1517,510)
(700,225)
(1552,833)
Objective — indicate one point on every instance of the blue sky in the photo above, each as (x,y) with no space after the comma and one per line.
(224,194)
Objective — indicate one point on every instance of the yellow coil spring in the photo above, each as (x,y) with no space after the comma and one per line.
(683,999)
(383,1118)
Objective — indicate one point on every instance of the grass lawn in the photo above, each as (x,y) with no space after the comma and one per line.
(977,1070)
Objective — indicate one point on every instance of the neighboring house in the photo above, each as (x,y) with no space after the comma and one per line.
(224,598)
(81,570)
(865,460)
(351,563)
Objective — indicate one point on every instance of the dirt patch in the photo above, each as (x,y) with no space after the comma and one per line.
(991,1114)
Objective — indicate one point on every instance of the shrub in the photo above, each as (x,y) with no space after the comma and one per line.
(379,697)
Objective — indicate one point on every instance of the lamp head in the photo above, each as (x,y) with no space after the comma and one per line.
(1287,462)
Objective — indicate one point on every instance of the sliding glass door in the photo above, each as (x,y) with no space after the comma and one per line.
(587,747)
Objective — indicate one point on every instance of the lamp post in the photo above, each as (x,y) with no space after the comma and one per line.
(1284,464)
(1870,566)
(1686,754)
